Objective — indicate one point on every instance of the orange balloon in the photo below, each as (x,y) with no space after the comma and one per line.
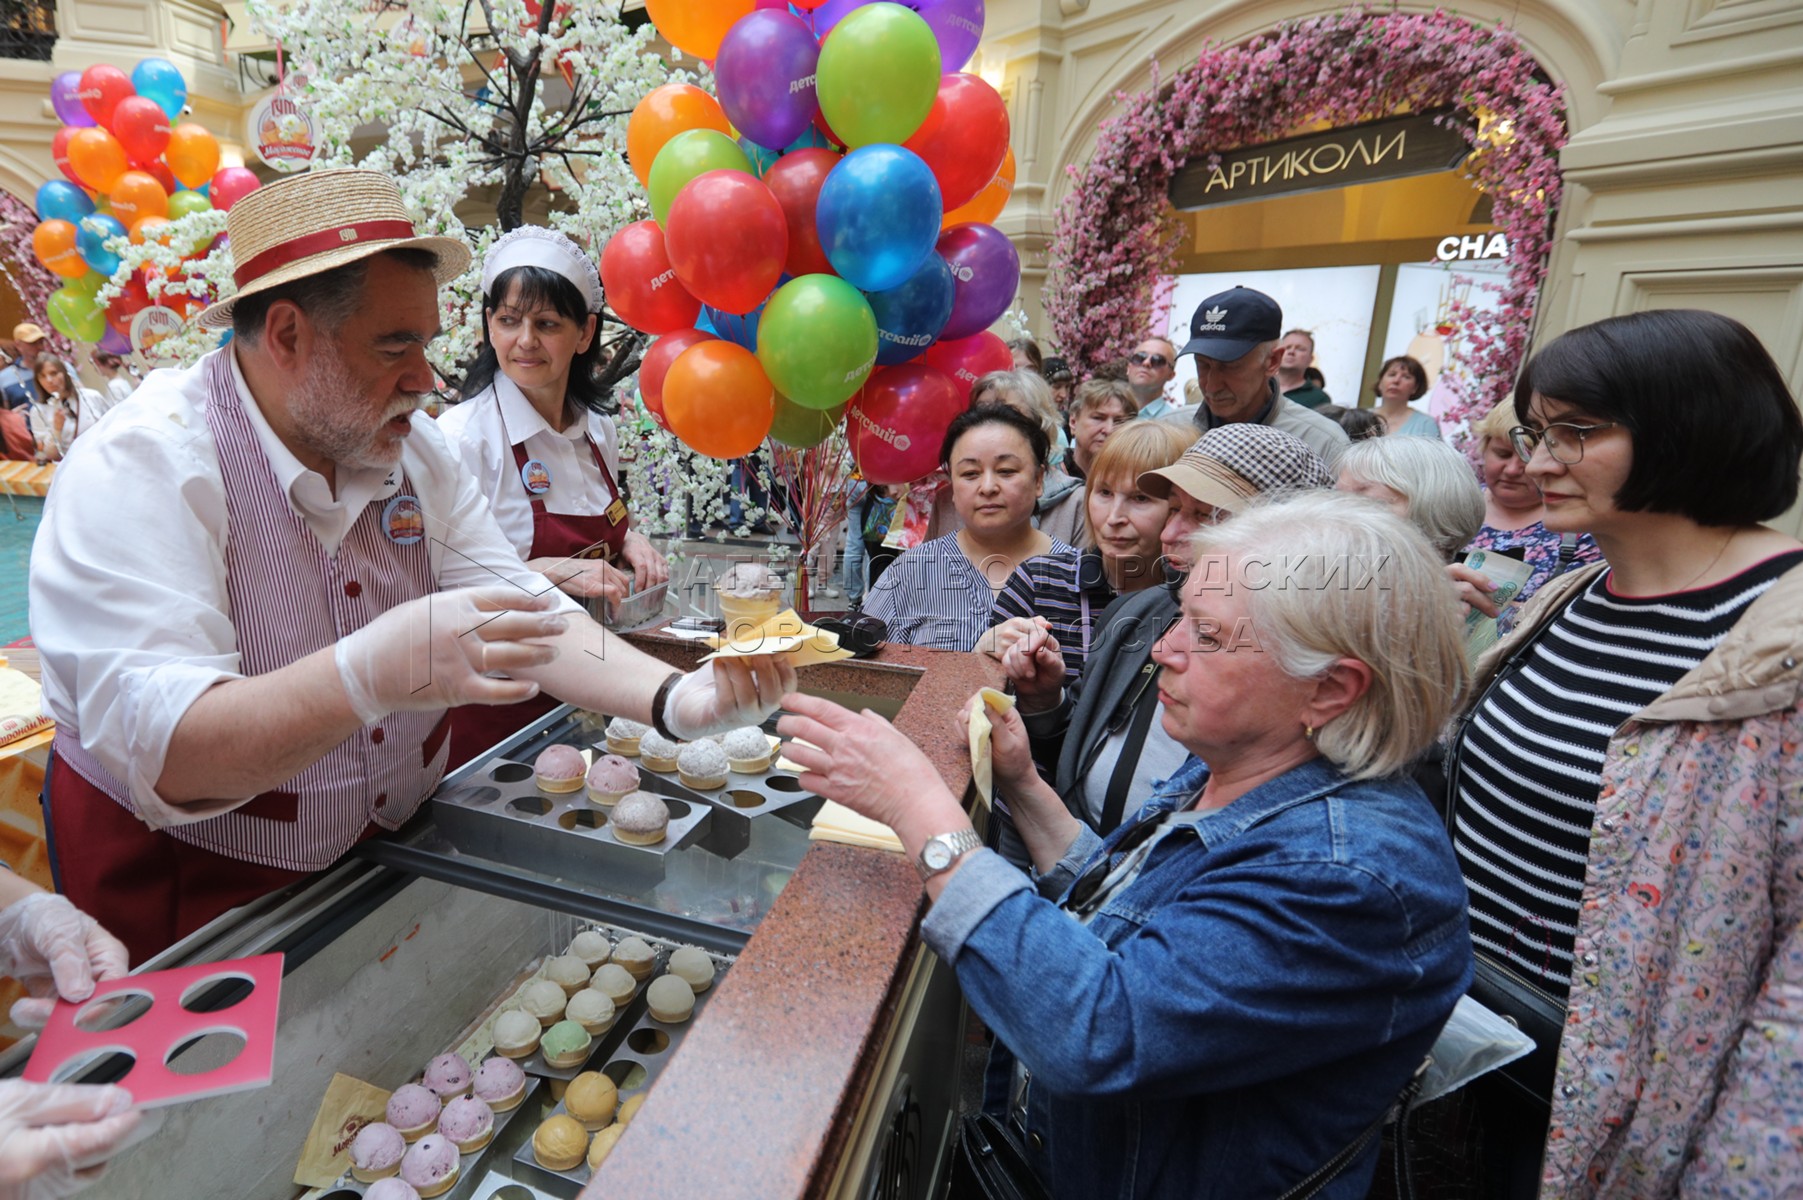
(718,400)
(192,154)
(138,195)
(54,244)
(97,157)
(150,229)
(989,202)
(665,112)
(697,26)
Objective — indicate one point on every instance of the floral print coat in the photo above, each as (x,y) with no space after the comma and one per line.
(1680,1072)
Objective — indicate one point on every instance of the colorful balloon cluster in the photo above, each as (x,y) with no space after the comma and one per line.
(820,241)
(130,172)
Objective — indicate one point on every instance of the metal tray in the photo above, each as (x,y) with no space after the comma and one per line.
(742,800)
(498,812)
(643,1044)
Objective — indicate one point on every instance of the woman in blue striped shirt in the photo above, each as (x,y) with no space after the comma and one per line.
(940,593)
(1066,592)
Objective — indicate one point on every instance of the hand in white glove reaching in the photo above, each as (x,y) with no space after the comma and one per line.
(433,652)
(735,692)
(55,949)
(56,1137)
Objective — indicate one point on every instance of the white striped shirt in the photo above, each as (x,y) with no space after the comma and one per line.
(1531,757)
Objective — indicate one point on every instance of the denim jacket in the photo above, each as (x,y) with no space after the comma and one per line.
(1238,1012)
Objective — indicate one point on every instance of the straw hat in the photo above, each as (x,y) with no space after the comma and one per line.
(306,224)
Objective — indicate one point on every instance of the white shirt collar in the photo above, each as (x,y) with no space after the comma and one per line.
(523,420)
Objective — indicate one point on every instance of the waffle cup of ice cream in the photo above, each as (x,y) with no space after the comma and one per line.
(609,779)
(747,750)
(750,594)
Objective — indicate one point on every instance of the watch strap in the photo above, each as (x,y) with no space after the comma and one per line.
(959,842)
(659,701)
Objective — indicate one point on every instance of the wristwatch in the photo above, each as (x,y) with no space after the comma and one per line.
(942,851)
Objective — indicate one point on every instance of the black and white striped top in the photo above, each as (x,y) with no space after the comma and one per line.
(1531,758)
(934,596)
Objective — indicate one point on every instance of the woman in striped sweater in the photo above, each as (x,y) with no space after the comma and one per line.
(1626,800)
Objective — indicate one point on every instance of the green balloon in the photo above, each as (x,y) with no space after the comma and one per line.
(76,315)
(688,154)
(817,340)
(184,204)
(799,428)
(878,75)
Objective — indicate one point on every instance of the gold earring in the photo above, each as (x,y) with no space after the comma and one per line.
(1308,731)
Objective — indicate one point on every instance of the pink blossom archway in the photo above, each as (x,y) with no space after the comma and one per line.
(1115,234)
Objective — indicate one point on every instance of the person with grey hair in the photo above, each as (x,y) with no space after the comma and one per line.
(250,663)
(1234,336)
(1227,995)
(1427,482)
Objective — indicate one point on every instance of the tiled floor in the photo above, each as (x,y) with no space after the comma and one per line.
(18,523)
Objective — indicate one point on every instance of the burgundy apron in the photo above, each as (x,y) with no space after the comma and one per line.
(288,598)
(476,728)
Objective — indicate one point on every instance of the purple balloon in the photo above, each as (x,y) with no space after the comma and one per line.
(985,277)
(66,102)
(764,76)
(956,24)
(112,342)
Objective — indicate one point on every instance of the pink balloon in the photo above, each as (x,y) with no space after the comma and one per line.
(967,360)
(895,424)
(231,185)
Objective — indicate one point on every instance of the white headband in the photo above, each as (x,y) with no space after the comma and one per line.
(535,246)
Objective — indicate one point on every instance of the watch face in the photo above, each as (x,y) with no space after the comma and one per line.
(937,855)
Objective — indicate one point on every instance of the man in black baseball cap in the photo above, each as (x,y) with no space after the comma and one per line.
(1235,337)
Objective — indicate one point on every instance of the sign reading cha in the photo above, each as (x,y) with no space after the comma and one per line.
(1454,247)
(1394,148)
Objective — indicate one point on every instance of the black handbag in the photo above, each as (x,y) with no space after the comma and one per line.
(1536,1013)
(989,1164)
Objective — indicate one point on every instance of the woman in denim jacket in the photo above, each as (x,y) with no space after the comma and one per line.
(1230,990)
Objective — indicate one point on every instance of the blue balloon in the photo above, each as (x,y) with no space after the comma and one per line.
(909,317)
(762,157)
(705,325)
(61,201)
(878,216)
(160,81)
(741,330)
(810,137)
(92,231)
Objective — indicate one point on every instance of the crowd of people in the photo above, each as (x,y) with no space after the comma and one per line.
(1262,816)
(43,405)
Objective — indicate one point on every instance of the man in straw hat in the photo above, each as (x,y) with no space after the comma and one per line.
(259,588)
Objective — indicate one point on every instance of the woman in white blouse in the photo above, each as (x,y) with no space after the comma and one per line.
(531,432)
(64,411)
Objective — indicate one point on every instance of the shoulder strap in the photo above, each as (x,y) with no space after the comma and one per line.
(1330,1170)
(1568,550)
(1138,726)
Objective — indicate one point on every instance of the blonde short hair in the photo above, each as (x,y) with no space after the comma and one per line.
(1496,423)
(1094,393)
(1345,577)
(1129,452)
(1442,492)
(1023,390)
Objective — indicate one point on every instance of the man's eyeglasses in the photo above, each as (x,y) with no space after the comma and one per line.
(1140,358)
(1564,441)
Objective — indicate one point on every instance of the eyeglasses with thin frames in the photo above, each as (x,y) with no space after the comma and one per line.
(1566,445)
(1140,358)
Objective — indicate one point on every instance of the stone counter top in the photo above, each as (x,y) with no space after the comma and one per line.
(759,1102)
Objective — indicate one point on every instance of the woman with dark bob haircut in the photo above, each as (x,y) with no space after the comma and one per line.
(1626,797)
(1400,382)
(940,593)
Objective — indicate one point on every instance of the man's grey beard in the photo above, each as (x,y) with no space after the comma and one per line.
(318,409)
(1145,393)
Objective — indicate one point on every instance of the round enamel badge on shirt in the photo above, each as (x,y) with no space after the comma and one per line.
(404,521)
(536,476)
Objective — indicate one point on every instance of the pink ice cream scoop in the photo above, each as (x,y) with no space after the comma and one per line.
(560,762)
(412,1106)
(498,1078)
(377,1147)
(611,773)
(465,1119)
(448,1075)
(391,1189)
(429,1161)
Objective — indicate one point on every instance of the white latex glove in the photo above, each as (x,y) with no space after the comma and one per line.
(55,1137)
(432,652)
(55,949)
(584,577)
(735,692)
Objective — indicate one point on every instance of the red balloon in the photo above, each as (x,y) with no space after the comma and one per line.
(231,185)
(142,128)
(894,426)
(656,364)
(159,171)
(132,299)
(640,284)
(964,138)
(825,129)
(967,360)
(795,179)
(728,238)
(101,89)
(59,150)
